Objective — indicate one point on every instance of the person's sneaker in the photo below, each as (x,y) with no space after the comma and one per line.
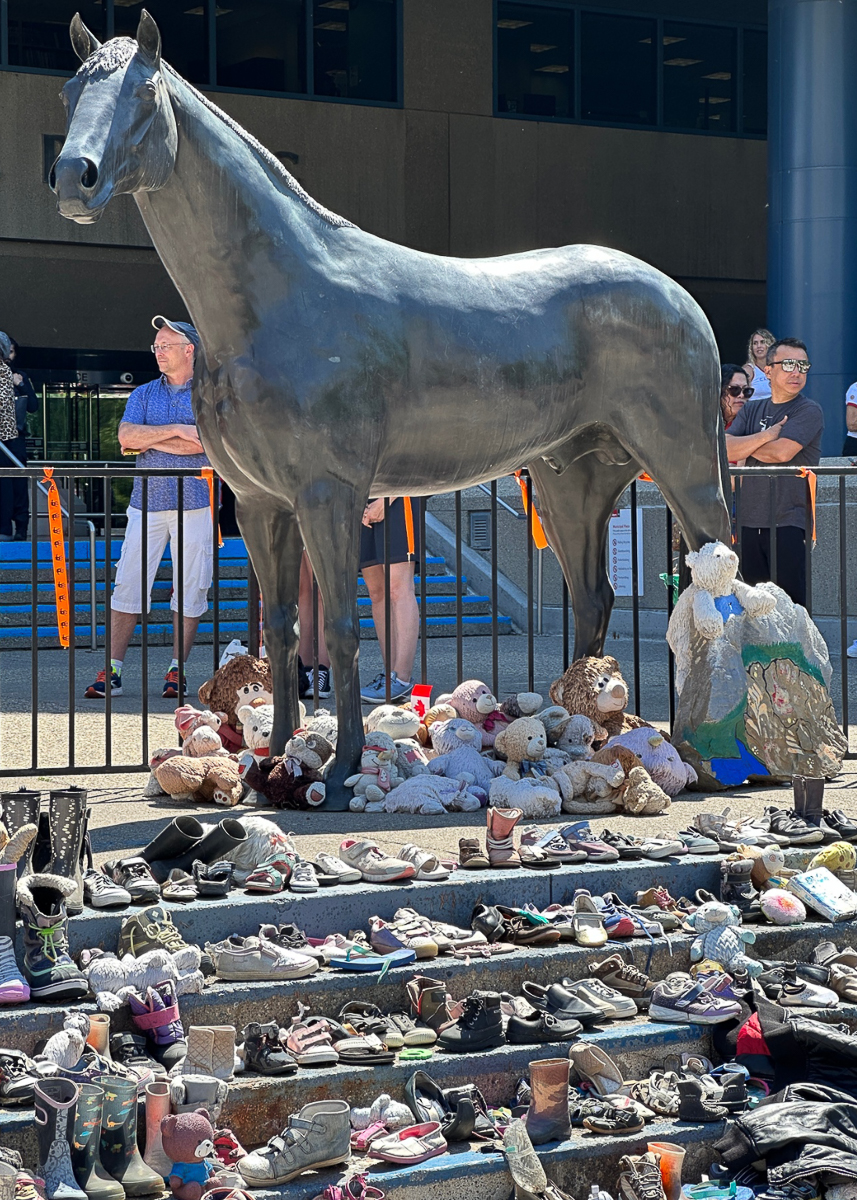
(640,1177)
(852,649)
(151,929)
(307,691)
(624,978)
(479,1027)
(96,690)
(376,691)
(134,875)
(790,825)
(101,892)
(690,1005)
(579,836)
(171,685)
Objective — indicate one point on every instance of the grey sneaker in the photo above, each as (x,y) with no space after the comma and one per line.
(134,876)
(256,958)
(640,1177)
(376,691)
(318,1136)
(99,891)
(690,1005)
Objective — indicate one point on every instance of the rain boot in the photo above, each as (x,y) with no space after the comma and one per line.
(547,1117)
(19,809)
(219,840)
(99,1034)
(85,1145)
(180,837)
(672,1158)
(500,840)
(799,790)
(8,907)
(814,805)
(54,1100)
(157,1107)
(67,819)
(48,968)
(119,1154)
(42,845)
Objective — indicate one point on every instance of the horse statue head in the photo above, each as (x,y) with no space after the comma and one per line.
(120,126)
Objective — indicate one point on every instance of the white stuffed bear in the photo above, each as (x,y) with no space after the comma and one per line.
(589,787)
(378,773)
(714,571)
(112,978)
(428,795)
(402,725)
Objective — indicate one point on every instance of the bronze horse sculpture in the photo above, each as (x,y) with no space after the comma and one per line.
(336,366)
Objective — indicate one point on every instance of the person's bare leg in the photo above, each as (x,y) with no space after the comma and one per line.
(191,624)
(305,614)
(374,580)
(122,626)
(405,619)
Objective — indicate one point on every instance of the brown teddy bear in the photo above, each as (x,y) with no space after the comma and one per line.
(213,778)
(188,1141)
(240,681)
(595,687)
(292,780)
(638,794)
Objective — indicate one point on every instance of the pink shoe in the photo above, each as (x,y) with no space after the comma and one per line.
(580,837)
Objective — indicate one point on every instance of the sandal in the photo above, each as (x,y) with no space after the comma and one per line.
(360,958)
(426,865)
(213,880)
(355,1188)
(361,1139)
(310,1042)
(363,1050)
(267,879)
(534,858)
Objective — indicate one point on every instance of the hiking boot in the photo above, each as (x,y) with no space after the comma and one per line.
(99,891)
(471,856)
(624,978)
(695,1105)
(171,684)
(157,1016)
(134,876)
(129,1049)
(151,929)
(479,1027)
(500,839)
(640,1177)
(96,690)
(318,1136)
(736,888)
(48,967)
(263,1051)
(429,1002)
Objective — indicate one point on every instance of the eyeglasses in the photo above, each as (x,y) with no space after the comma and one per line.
(734,391)
(792,364)
(162,347)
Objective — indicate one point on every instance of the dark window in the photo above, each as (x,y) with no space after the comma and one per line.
(618,59)
(261,45)
(184,32)
(38,32)
(755,81)
(535,60)
(354,49)
(699,76)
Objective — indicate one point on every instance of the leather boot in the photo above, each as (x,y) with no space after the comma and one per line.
(218,841)
(99,1034)
(54,1100)
(157,1107)
(210,1051)
(67,818)
(813,810)
(547,1117)
(19,809)
(85,1145)
(179,837)
(429,1003)
(119,1154)
(500,840)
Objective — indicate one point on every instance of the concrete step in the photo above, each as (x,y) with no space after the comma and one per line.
(19,589)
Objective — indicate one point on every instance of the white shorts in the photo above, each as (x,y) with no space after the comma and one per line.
(163,528)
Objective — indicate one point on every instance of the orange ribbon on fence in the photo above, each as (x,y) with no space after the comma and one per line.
(539,536)
(409,527)
(208,477)
(812,481)
(61,597)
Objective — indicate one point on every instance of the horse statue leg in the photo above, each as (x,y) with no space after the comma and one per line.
(575,507)
(273,542)
(329,517)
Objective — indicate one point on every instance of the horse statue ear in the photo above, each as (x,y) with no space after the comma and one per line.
(149,40)
(83,41)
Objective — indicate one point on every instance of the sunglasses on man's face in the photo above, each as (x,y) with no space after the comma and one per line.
(734,391)
(792,364)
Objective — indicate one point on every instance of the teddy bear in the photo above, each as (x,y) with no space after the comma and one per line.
(714,595)
(638,794)
(293,780)
(324,722)
(475,701)
(428,795)
(589,787)
(215,778)
(378,773)
(199,731)
(457,744)
(721,938)
(521,704)
(223,692)
(65,1047)
(659,757)
(112,979)
(522,744)
(437,712)
(188,1141)
(535,795)
(402,725)
(595,687)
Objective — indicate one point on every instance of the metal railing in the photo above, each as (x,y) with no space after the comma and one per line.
(642,659)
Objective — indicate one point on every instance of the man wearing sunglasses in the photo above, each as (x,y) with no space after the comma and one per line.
(782,429)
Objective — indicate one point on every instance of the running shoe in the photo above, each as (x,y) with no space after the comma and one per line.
(171,685)
(96,690)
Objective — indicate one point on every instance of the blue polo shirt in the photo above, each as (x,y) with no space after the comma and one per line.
(157,403)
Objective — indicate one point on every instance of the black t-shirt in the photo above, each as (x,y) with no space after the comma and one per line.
(805,425)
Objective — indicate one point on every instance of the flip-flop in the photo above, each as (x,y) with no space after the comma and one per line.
(358,959)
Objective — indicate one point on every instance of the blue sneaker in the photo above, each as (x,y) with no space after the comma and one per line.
(96,690)
(376,691)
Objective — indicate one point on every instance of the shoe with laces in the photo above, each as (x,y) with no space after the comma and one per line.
(790,825)
(624,978)
(171,684)
(479,1027)
(96,690)
(376,691)
(18,1077)
(241,959)
(134,876)
(551,841)
(332,870)
(101,892)
(307,691)
(628,846)
(640,1177)
(13,987)
(48,968)
(387,936)
(291,938)
(594,991)
(690,1005)
(151,929)
(303,877)
(373,864)
(696,842)
(579,836)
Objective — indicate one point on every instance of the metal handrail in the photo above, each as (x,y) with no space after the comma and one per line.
(93,611)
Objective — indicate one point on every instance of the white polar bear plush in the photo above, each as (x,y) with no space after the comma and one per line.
(713,569)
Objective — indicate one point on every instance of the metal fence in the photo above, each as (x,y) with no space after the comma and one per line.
(108,524)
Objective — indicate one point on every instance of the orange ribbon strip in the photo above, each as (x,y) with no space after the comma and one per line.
(61,598)
(812,481)
(409,526)
(539,536)
(208,476)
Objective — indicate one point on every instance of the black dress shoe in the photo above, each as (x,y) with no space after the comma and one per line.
(539,1029)
(561,1003)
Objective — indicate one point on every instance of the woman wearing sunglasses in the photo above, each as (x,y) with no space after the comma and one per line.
(735,391)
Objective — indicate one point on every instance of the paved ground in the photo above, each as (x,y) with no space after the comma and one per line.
(122,819)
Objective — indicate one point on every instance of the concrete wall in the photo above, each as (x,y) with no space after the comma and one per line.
(440,174)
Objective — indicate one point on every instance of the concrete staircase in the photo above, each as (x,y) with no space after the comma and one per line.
(259,1106)
(19,615)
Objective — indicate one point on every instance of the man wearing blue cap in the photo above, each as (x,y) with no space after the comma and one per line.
(158,426)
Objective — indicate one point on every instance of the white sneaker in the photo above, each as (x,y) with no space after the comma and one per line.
(240,958)
(373,864)
(303,878)
(612,1003)
(331,866)
(852,649)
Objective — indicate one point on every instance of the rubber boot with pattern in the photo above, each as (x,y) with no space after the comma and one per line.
(119,1154)
(547,1117)
(86,1143)
(19,809)
(53,1101)
(67,821)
